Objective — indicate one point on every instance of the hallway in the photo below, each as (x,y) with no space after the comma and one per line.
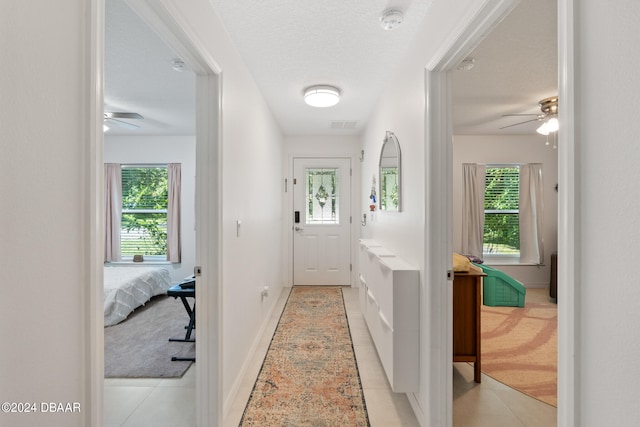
(136,402)
(488,404)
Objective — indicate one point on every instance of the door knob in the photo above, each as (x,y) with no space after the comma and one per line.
(299,228)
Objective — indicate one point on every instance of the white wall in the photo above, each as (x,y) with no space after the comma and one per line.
(511,149)
(252,192)
(609,212)
(164,149)
(46,154)
(44,208)
(607,219)
(321,146)
(401,109)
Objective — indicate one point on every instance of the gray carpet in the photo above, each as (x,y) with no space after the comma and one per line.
(139,347)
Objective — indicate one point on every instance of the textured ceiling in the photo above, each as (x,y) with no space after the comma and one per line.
(139,77)
(292,44)
(515,67)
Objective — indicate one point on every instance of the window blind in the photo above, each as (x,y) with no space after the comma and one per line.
(501,204)
(144,210)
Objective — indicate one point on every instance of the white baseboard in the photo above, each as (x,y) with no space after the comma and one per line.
(265,328)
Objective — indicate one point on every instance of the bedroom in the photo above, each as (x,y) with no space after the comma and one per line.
(146,147)
(145,137)
(496,114)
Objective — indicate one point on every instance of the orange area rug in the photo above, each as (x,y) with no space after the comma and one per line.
(520,348)
(309,376)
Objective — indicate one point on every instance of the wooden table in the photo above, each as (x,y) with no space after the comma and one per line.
(467,300)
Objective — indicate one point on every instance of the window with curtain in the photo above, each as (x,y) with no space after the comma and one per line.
(146,206)
(501,211)
(145,197)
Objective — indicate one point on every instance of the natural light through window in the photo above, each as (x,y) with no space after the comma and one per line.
(501,211)
(322,196)
(144,211)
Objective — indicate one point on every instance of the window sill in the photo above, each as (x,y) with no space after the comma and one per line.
(509,262)
(143,263)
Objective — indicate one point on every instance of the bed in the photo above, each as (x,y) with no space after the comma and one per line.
(126,288)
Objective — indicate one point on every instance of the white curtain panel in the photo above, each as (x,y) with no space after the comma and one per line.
(531,209)
(113,209)
(173,213)
(473,178)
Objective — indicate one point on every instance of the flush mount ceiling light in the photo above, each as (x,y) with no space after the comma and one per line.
(391,18)
(322,96)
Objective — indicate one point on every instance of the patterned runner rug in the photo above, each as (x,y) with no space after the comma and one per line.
(309,376)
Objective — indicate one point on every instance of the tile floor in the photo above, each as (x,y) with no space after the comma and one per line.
(170,402)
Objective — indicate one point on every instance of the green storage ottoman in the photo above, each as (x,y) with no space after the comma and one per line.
(500,289)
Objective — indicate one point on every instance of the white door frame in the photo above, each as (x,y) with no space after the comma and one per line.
(354,207)
(438,208)
(349,187)
(165,20)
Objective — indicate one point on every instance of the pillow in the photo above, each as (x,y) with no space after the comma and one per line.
(475,259)
(461,263)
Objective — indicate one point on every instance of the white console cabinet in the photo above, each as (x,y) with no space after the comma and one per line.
(389,300)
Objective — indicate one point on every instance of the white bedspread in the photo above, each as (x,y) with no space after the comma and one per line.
(126,288)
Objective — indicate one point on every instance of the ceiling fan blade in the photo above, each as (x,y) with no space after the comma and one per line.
(121,123)
(122,115)
(521,123)
(523,114)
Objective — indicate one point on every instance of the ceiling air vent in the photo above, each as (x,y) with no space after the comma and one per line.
(338,124)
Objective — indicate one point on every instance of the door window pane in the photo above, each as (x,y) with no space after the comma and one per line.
(322,195)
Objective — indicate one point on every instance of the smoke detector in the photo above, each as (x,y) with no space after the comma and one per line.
(391,18)
(178,65)
(466,64)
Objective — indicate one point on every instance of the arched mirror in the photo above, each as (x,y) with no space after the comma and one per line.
(389,173)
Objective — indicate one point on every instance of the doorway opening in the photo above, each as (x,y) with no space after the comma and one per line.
(438,209)
(503,147)
(207,208)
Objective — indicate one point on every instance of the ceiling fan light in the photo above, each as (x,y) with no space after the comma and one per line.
(321,96)
(543,129)
(105,127)
(553,125)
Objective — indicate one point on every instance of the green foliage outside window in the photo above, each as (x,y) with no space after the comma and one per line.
(389,188)
(145,195)
(501,204)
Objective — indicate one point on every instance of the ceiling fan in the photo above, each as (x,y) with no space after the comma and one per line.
(549,113)
(116,119)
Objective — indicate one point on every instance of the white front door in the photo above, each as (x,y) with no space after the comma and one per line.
(322,221)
